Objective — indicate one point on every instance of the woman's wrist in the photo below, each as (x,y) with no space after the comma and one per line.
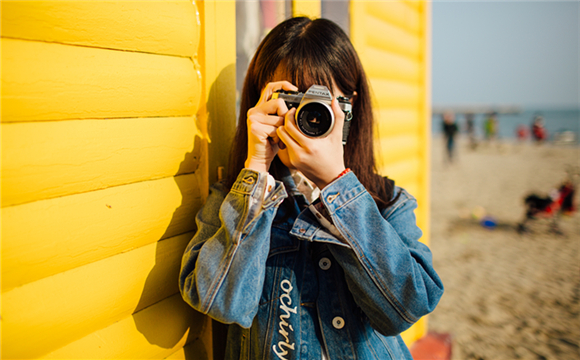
(258,166)
(322,184)
(344,172)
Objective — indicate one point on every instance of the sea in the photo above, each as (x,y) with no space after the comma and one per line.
(556,122)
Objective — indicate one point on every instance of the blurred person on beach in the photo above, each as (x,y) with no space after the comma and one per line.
(522,133)
(303,249)
(470,128)
(449,131)
(539,132)
(490,126)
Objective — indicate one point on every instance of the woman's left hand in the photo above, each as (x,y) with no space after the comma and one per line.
(320,159)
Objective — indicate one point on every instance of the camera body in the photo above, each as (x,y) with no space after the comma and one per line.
(314,116)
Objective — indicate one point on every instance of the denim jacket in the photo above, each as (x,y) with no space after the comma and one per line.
(292,290)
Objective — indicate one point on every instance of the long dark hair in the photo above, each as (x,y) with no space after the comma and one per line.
(314,52)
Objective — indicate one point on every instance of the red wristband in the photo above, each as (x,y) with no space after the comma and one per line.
(344,172)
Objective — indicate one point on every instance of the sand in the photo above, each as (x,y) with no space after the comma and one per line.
(507,296)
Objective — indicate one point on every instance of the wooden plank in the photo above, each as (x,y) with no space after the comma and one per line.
(309,8)
(218,62)
(42,160)
(423,214)
(164,27)
(68,306)
(387,36)
(395,94)
(200,349)
(417,5)
(389,66)
(46,81)
(394,122)
(393,149)
(358,32)
(44,238)
(152,333)
(404,172)
(397,13)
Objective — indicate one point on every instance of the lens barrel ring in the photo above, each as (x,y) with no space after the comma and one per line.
(315,118)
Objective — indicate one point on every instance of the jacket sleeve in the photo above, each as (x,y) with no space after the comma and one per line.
(385,265)
(223,267)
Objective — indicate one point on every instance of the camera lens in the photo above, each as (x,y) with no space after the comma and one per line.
(315,119)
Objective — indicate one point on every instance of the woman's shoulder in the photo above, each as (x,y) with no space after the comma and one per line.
(401,200)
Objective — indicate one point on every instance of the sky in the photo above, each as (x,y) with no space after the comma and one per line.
(523,53)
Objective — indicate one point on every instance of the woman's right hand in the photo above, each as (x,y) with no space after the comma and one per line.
(263,120)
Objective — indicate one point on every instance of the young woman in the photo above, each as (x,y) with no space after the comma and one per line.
(304,249)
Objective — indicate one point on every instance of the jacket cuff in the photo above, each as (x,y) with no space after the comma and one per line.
(248,182)
(254,184)
(341,191)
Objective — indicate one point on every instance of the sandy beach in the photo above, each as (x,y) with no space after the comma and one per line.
(507,296)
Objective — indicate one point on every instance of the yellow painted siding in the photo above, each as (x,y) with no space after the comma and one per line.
(107,109)
(93,226)
(392,39)
(38,163)
(158,27)
(74,82)
(309,8)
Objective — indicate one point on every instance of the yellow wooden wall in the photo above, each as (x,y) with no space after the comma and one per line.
(393,41)
(106,113)
(310,8)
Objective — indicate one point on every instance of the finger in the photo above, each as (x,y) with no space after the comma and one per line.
(286,138)
(274,106)
(263,131)
(338,116)
(270,132)
(291,128)
(273,86)
(272,120)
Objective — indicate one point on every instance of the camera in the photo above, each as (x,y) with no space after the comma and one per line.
(314,116)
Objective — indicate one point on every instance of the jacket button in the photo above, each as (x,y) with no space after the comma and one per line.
(324,263)
(331,198)
(338,322)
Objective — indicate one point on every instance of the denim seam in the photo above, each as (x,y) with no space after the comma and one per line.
(343,315)
(368,340)
(392,209)
(229,259)
(219,281)
(346,202)
(360,255)
(282,250)
(385,344)
(382,287)
(271,312)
